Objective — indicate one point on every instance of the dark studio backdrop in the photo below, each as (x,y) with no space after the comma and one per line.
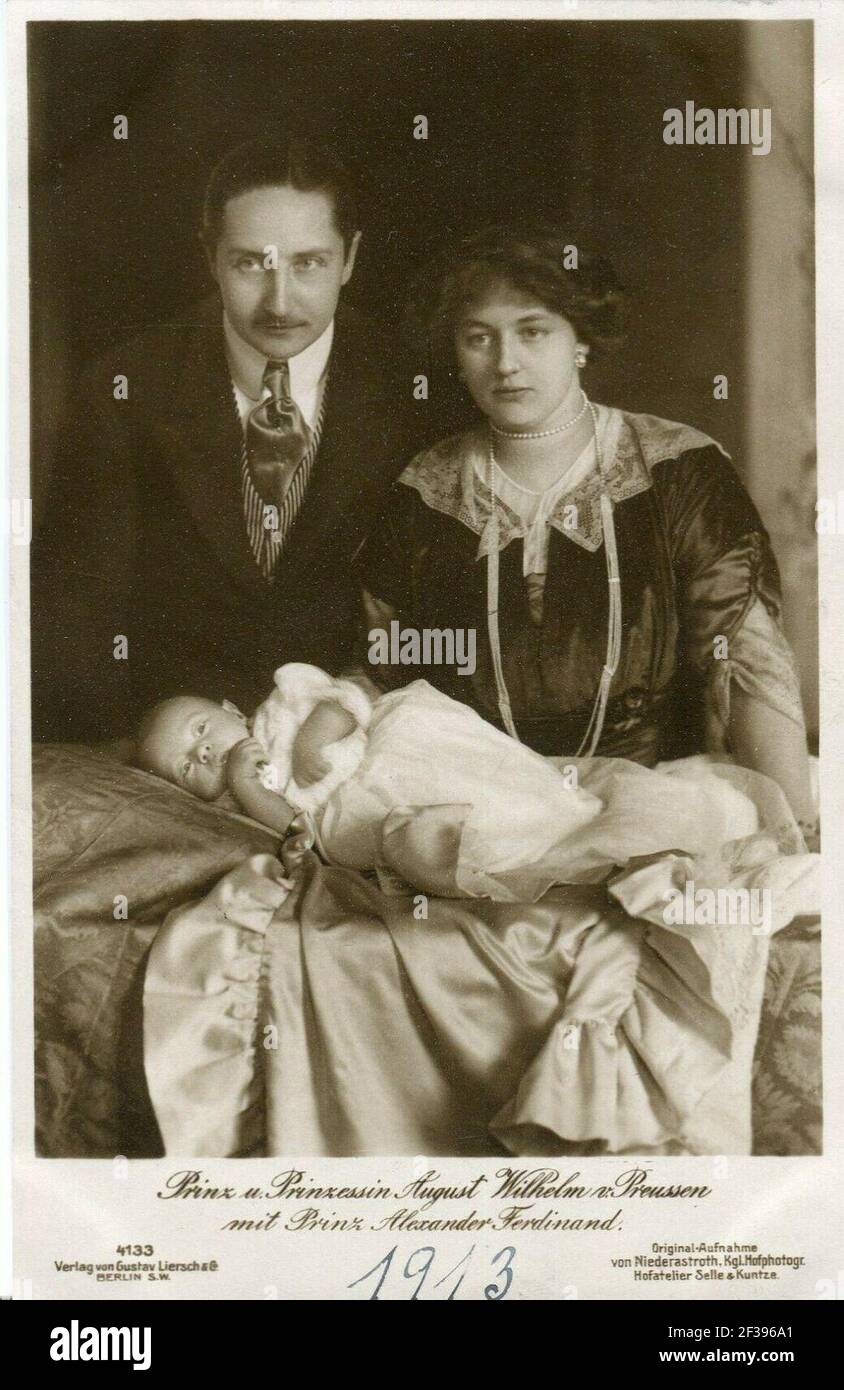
(564,117)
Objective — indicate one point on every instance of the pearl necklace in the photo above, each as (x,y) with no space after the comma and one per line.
(544,434)
(594,729)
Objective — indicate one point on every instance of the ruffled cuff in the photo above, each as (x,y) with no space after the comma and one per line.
(761,663)
(299,689)
(304,687)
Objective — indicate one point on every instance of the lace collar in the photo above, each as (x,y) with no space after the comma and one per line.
(451,477)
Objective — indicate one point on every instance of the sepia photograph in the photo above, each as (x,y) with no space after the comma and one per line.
(424,719)
(424,588)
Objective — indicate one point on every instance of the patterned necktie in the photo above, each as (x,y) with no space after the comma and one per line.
(277,438)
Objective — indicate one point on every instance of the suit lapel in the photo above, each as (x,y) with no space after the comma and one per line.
(203,441)
(345,468)
(204,446)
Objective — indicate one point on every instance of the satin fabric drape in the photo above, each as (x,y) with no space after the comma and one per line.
(336,1020)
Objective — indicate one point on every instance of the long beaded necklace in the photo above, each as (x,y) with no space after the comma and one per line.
(599,709)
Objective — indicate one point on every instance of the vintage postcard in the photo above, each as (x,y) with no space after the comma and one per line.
(425,521)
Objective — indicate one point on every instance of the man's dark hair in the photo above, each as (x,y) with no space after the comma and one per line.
(287,161)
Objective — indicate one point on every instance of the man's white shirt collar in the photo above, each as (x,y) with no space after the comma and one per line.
(307,368)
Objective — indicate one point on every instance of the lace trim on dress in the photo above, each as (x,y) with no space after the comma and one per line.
(449,477)
(761,663)
(534,508)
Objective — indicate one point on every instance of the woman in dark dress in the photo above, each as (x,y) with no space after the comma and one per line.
(620,581)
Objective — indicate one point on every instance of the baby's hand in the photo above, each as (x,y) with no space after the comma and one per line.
(247,762)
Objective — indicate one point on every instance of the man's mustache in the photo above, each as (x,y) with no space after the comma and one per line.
(264,322)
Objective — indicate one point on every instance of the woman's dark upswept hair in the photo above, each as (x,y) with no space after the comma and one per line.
(532,257)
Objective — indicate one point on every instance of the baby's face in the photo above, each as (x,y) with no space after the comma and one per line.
(188,742)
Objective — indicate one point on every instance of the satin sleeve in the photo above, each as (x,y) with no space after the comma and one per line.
(721,555)
(728,591)
(759,660)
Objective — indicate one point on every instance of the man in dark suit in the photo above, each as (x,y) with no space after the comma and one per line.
(222,473)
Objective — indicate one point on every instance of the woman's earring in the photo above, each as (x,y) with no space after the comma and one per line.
(580,357)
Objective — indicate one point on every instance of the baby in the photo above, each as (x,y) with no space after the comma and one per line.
(308,734)
(419,785)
